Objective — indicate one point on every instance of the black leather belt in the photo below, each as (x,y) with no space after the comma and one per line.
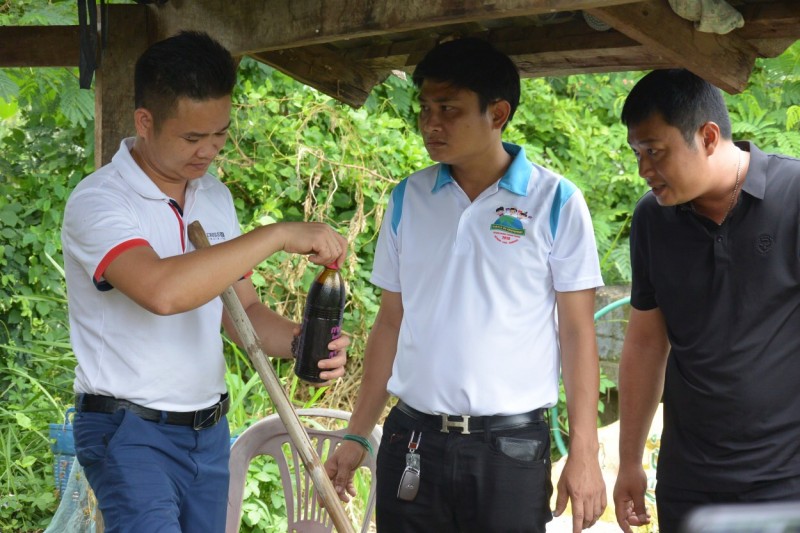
(202,419)
(472,424)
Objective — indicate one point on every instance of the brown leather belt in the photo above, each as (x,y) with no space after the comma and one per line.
(202,419)
(472,424)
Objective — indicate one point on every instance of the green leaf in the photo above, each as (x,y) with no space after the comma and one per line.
(23,420)
(26,461)
(77,104)
(9,90)
(793,117)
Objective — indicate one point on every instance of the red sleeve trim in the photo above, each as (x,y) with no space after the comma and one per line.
(114,253)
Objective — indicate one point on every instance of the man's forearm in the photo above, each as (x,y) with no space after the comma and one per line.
(372,395)
(641,380)
(639,394)
(378,360)
(273,330)
(582,397)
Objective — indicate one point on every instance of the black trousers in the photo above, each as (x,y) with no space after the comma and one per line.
(467,484)
(674,504)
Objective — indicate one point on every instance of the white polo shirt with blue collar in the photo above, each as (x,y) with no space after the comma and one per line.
(171,363)
(478,282)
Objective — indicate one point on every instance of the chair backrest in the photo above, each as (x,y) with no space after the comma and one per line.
(269,436)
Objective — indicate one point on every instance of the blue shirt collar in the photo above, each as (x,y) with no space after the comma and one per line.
(515,179)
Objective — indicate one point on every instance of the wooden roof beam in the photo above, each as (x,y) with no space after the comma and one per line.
(607,60)
(724,60)
(557,50)
(39,46)
(770,28)
(773,20)
(249,26)
(577,50)
(324,70)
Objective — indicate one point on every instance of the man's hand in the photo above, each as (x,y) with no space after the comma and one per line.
(342,466)
(333,368)
(629,493)
(317,240)
(582,482)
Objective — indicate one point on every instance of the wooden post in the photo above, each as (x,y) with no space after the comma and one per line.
(127,39)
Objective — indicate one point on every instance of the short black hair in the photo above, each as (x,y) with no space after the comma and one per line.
(684,100)
(472,64)
(189,64)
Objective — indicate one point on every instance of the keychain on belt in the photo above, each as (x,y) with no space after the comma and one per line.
(409,481)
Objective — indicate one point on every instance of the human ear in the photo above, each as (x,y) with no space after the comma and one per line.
(500,110)
(143,120)
(710,135)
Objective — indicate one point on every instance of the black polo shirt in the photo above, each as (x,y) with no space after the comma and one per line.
(730,296)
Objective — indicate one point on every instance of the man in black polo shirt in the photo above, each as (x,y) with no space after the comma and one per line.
(715,324)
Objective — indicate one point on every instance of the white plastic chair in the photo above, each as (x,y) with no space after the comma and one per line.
(270,437)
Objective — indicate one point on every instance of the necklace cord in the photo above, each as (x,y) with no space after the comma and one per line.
(735,187)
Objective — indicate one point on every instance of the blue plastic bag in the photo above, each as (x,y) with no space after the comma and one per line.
(76,512)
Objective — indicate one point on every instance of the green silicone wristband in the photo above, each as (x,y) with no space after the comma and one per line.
(361,440)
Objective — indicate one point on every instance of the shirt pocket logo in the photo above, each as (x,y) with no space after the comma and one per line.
(508,227)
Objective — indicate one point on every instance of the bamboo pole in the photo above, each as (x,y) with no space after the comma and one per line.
(300,439)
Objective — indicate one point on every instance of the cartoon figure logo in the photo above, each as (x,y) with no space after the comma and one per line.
(508,228)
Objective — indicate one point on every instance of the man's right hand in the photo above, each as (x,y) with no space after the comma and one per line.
(317,240)
(342,466)
(629,493)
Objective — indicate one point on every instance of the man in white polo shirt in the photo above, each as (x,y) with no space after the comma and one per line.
(488,267)
(145,315)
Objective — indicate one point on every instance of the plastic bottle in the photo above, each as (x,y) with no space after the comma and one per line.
(322,322)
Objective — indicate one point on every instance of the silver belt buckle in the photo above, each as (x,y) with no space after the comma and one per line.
(463,424)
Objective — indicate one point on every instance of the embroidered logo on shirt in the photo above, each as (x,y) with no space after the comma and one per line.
(764,243)
(508,228)
(215,236)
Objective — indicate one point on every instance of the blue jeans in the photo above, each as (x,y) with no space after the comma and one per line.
(467,483)
(154,477)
